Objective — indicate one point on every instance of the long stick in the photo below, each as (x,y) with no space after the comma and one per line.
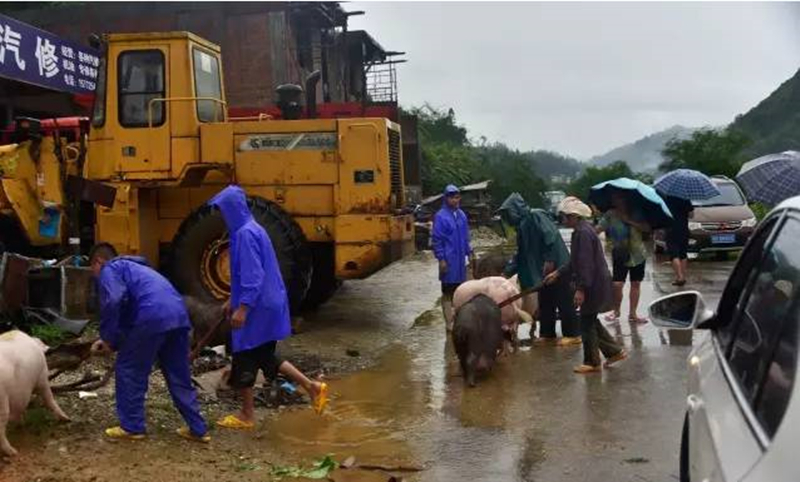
(519,295)
(199,346)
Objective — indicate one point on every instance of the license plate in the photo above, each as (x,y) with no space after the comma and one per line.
(723,238)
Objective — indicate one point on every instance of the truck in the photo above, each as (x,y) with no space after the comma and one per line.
(160,143)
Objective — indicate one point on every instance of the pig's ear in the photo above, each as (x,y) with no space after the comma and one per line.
(41,344)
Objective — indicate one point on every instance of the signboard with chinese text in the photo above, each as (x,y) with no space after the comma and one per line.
(31,55)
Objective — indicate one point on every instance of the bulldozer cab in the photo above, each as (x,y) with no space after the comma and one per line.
(154,91)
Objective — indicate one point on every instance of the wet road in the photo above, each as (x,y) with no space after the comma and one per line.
(531,419)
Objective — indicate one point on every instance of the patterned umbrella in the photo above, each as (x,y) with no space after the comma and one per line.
(686,184)
(772,178)
(653,207)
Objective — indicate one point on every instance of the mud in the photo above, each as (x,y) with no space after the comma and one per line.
(402,402)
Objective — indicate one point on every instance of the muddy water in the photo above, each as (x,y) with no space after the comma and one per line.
(531,419)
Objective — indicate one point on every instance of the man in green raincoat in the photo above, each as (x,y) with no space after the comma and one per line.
(540,251)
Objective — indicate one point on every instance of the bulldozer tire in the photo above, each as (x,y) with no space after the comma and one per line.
(199,256)
(323,279)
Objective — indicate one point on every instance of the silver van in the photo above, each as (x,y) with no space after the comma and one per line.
(743,410)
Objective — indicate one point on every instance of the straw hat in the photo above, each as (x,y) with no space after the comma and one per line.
(573,205)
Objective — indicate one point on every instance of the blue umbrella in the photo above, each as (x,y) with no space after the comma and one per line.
(686,184)
(772,178)
(653,208)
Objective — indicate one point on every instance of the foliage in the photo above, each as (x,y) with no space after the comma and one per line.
(319,470)
(709,151)
(510,171)
(760,210)
(594,175)
(51,335)
(449,157)
(774,124)
(548,164)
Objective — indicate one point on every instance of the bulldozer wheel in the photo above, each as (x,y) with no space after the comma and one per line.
(199,255)
(323,280)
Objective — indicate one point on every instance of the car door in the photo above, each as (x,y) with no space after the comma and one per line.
(754,346)
(721,443)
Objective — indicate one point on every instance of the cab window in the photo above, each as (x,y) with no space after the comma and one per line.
(99,110)
(207,83)
(763,350)
(141,79)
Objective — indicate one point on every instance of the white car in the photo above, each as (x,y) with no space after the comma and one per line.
(743,409)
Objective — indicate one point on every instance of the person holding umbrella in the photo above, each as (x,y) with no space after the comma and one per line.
(589,272)
(679,188)
(628,255)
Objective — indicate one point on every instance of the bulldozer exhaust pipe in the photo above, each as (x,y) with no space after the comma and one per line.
(311,93)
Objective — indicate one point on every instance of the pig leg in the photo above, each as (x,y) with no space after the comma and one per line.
(43,388)
(5,413)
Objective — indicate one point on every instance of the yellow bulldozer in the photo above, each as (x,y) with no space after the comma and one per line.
(329,192)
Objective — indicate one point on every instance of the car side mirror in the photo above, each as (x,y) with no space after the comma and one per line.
(680,311)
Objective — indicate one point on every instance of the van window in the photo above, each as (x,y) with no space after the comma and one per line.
(765,339)
(207,84)
(140,79)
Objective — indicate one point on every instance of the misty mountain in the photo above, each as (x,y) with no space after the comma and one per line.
(774,124)
(643,155)
(549,165)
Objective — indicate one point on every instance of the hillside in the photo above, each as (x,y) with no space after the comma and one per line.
(774,124)
(643,155)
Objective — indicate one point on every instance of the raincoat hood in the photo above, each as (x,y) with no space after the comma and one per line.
(514,208)
(449,190)
(232,202)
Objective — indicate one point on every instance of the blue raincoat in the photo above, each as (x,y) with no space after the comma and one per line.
(256,280)
(450,240)
(145,320)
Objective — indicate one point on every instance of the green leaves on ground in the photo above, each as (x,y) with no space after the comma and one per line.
(319,470)
(49,334)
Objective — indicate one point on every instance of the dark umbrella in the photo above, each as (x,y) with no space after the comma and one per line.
(653,208)
(772,178)
(686,184)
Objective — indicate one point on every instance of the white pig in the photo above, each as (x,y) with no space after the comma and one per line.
(498,289)
(23,369)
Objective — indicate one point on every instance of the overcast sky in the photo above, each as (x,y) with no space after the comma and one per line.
(582,78)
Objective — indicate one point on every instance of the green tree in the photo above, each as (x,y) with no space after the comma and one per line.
(510,171)
(710,151)
(450,157)
(581,186)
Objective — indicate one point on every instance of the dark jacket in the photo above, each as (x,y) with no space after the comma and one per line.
(589,269)
(538,241)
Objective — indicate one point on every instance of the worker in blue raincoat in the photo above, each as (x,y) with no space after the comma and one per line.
(144,319)
(450,241)
(258,308)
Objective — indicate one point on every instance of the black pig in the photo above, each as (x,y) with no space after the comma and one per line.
(477,336)
(204,316)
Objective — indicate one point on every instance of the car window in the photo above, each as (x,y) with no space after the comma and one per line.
(732,297)
(766,311)
(779,378)
(729,195)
